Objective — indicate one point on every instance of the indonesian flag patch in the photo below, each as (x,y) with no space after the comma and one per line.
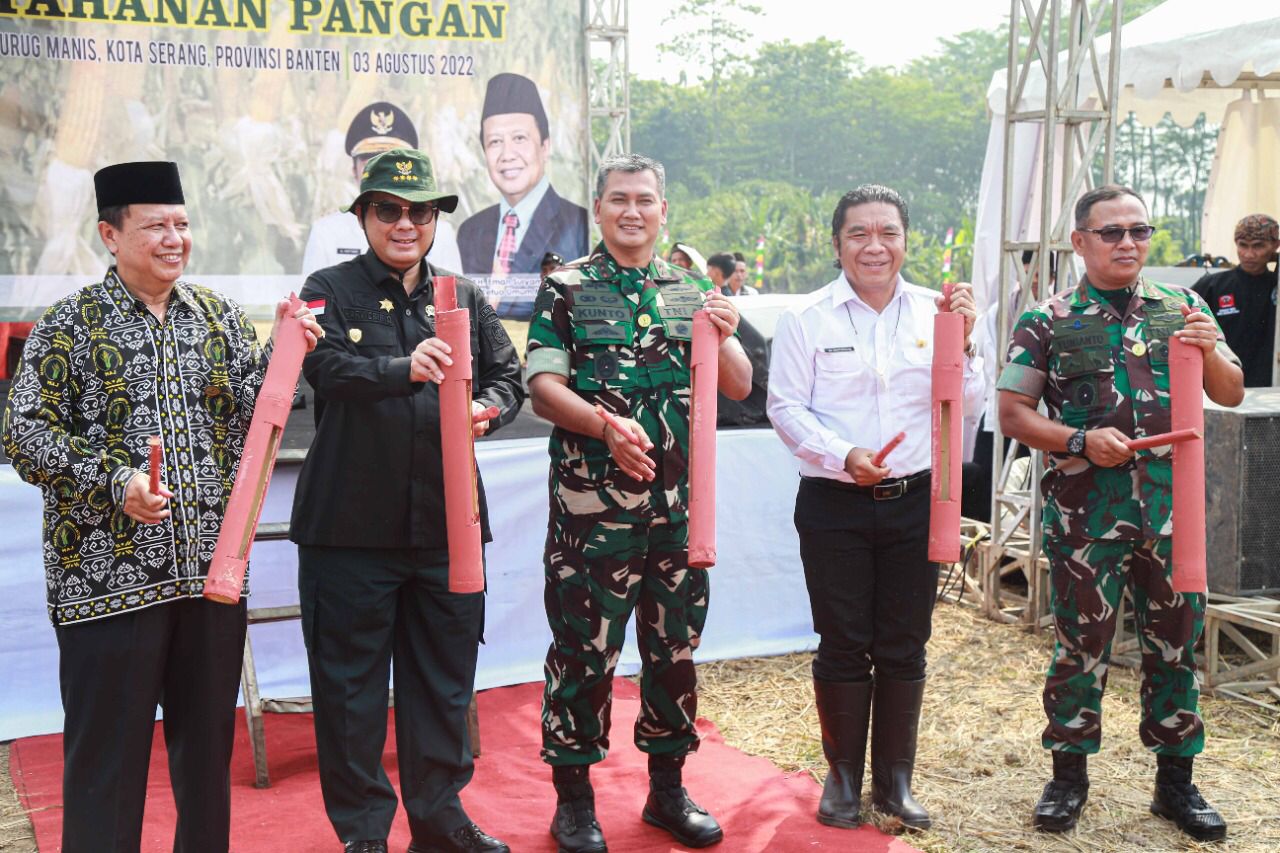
(316,307)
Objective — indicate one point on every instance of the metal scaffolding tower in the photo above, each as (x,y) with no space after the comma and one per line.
(1065,54)
(608,77)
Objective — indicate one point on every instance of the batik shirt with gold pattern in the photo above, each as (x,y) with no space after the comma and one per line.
(100,375)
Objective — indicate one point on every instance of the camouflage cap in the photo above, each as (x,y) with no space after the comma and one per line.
(404,173)
(1257,226)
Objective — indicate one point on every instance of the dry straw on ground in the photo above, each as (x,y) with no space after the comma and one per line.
(980,766)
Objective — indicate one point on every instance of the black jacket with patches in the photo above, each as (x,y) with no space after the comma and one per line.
(374,477)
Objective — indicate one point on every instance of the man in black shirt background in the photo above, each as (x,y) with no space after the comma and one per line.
(1243,299)
(369,520)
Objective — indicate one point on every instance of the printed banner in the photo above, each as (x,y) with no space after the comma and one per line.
(270,108)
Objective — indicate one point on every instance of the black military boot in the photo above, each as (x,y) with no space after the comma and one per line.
(844,710)
(575,827)
(895,720)
(1179,801)
(1063,798)
(670,808)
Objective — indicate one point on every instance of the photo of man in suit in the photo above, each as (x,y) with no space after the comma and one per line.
(511,237)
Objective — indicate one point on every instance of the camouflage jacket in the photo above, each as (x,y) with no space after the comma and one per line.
(621,336)
(1095,368)
(98,376)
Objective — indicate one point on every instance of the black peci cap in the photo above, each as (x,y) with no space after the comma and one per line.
(513,93)
(150,182)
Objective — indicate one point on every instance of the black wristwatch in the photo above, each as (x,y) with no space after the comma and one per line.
(1075,443)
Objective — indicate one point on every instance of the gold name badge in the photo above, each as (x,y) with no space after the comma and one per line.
(355,335)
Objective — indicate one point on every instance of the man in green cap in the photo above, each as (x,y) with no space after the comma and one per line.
(369,521)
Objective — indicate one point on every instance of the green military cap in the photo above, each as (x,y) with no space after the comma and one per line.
(404,173)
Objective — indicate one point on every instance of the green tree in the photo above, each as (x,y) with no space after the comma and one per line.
(708,34)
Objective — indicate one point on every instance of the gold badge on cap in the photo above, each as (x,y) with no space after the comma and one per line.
(381,123)
(355,335)
(1139,349)
(644,320)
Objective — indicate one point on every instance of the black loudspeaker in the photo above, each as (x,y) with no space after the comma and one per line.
(734,413)
(1242,479)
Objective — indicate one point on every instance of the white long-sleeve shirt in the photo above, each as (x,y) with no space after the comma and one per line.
(843,376)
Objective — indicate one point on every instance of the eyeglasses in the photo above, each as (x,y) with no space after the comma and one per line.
(420,213)
(1114,233)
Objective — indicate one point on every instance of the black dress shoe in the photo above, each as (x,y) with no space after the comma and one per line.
(365,847)
(467,838)
(1178,800)
(670,808)
(1063,799)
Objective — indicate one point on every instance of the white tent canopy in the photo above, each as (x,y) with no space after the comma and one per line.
(1183,58)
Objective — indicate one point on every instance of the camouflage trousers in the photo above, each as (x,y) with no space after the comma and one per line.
(1088,578)
(596,574)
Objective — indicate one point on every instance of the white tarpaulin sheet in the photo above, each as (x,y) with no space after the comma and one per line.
(759,605)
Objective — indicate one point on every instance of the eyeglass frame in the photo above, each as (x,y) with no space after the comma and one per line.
(1131,231)
(404,210)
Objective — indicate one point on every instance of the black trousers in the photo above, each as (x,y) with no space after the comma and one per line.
(871,585)
(362,609)
(185,656)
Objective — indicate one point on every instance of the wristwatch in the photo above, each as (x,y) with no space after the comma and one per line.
(1075,443)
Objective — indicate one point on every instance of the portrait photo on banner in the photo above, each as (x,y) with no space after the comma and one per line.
(271,108)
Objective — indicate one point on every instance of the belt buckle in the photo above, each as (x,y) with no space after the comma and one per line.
(893,491)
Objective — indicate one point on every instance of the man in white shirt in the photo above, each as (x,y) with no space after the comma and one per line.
(851,368)
(339,236)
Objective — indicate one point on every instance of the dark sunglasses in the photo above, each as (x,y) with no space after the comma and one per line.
(420,213)
(1114,233)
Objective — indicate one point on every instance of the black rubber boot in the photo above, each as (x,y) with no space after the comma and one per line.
(1178,800)
(1063,798)
(574,826)
(895,721)
(844,711)
(670,808)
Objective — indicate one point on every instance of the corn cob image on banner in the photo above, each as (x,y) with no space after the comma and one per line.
(270,108)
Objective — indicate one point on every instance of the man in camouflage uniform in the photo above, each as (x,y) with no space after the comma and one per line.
(614,330)
(1098,355)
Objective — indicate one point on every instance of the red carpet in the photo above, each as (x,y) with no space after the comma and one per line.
(760,808)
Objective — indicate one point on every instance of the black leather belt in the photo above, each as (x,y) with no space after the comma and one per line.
(885,490)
